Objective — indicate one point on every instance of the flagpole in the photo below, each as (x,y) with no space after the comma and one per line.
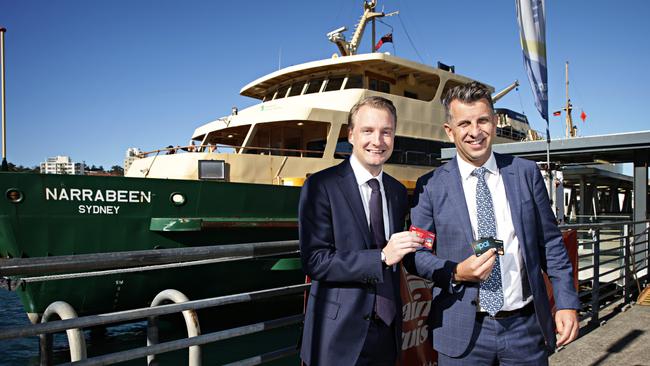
(5,166)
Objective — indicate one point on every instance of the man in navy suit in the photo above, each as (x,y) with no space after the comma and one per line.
(490,309)
(353,314)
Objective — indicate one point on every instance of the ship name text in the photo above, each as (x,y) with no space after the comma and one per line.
(92,195)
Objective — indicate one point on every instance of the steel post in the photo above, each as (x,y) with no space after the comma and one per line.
(628,251)
(595,288)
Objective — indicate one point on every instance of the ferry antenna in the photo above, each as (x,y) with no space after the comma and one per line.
(5,166)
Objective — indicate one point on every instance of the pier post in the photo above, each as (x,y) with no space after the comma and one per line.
(595,287)
(640,207)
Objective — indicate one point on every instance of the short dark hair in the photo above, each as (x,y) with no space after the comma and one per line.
(467,93)
(374,102)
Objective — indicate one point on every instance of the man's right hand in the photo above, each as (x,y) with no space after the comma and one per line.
(476,269)
(401,244)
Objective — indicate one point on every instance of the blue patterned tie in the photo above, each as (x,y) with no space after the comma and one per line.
(491,291)
(385,306)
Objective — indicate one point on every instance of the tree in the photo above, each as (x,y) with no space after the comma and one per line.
(117,170)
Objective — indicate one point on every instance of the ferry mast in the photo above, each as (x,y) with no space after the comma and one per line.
(571,130)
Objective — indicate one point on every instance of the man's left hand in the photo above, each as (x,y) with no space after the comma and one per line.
(566,323)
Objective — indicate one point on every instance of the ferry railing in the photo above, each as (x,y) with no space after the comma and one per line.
(612,264)
(264,150)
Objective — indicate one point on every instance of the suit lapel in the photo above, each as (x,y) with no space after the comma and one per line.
(457,198)
(510,178)
(350,189)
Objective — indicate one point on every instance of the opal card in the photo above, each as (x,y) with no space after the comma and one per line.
(428,236)
(482,245)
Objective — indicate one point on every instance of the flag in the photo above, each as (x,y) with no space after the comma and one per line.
(583,116)
(557,113)
(531,16)
(385,39)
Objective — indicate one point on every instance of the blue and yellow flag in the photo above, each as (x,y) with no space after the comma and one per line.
(531,15)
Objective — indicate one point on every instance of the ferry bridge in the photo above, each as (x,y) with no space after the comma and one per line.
(611,265)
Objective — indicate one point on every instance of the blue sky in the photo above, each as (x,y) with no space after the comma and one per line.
(89,79)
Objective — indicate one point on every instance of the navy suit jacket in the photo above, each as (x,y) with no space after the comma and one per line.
(440,207)
(335,247)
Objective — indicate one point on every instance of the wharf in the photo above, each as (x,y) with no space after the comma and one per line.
(622,340)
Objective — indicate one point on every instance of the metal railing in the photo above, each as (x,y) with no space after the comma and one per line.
(106,263)
(612,264)
(612,267)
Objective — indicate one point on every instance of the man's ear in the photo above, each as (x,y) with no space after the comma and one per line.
(449,131)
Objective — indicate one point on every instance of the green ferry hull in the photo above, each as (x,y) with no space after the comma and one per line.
(63,215)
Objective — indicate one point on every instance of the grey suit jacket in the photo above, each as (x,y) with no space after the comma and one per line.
(440,207)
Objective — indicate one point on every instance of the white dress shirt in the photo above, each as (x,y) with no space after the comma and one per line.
(363,176)
(512,267)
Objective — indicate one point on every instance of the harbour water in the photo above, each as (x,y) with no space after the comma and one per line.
(24,351)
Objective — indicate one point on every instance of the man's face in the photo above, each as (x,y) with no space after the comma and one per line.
(472,127)
(372,137)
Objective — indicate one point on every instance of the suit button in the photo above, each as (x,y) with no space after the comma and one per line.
(366,317)
(473,302)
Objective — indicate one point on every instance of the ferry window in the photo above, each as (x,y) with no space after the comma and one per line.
(334,84)
(288,138)
(354,82)
(449,85)
(282,92)
(233,136)
(378,85)
(412,151)
(343,146)
(314,86)
(411,95)
(296,88)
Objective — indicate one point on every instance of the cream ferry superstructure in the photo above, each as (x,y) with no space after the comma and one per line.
(300,125)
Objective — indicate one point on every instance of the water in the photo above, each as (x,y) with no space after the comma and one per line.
(24,351)
(15,351)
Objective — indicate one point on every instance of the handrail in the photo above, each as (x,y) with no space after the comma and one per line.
(141,313)
(127,259)
(136,353)
(611,279)
(203,148)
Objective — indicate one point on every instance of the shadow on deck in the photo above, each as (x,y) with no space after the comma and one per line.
(622,339)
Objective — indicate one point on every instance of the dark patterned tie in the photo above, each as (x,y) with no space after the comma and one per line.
(385,303)
(491,291)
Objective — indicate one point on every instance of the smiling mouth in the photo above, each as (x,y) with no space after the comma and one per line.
(476,142)
(378,152)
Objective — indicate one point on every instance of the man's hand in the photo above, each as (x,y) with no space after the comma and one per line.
(566,325)
(401,244)
(476,269)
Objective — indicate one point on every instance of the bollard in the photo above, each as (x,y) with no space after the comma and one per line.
(191,321)
(76,340)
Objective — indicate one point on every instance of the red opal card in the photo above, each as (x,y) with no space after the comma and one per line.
(429,237)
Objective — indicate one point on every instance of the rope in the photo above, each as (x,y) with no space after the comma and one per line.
(409,38)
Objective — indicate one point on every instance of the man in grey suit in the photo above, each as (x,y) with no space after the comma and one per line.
(490,309)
